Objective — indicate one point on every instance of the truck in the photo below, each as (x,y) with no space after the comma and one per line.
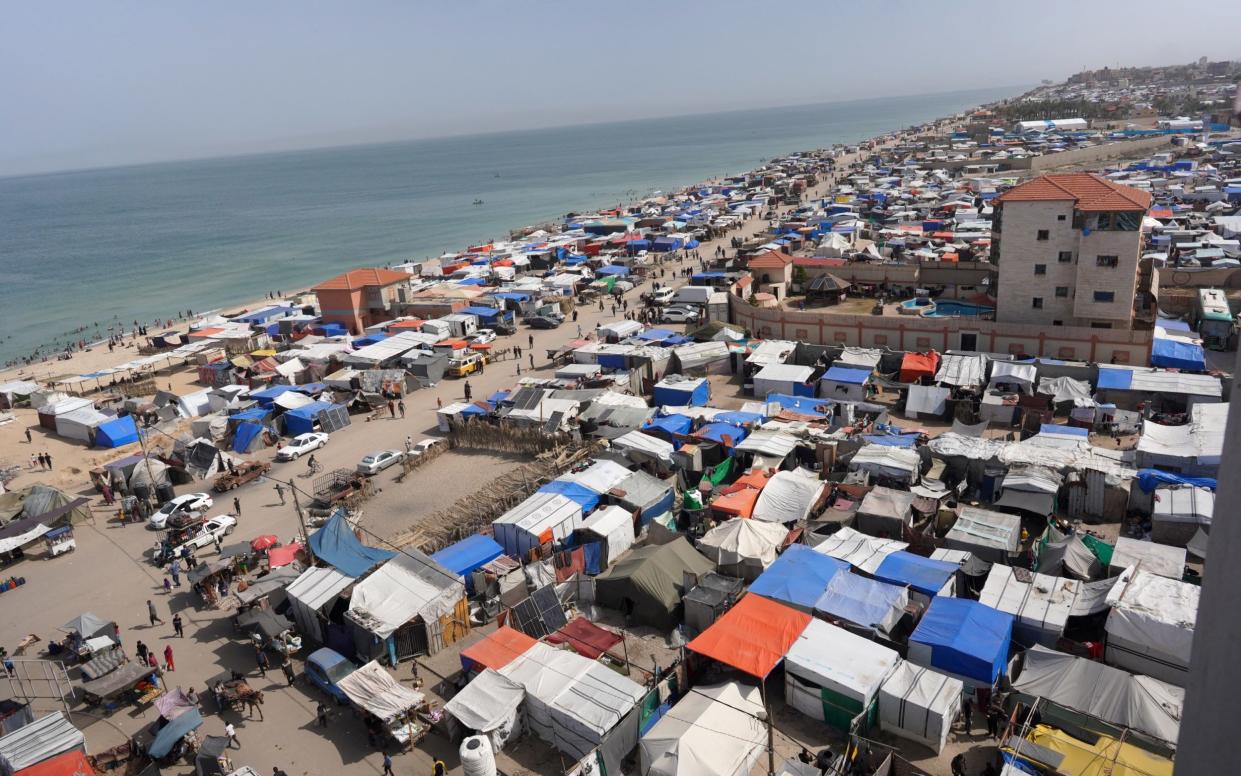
(693,295)
(1213,319)
(461,324)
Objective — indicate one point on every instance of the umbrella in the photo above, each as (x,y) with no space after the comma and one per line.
(263,542)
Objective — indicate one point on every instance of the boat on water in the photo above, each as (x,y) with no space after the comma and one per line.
(478,202)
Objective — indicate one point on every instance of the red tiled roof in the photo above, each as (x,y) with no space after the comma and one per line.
(362,278)
(770,260)
(811,261)
(1088,191)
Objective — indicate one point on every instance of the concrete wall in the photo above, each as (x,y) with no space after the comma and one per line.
(1020,250)
(1121,280)
(915,333)
(1098,153)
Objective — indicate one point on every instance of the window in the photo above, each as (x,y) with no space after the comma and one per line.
(801,334)
(881,339)
(840,336)
(1037,303)
(1120,356)
(1098,325)
(922,343)
(1107,261)
(1043,234)
(1105,296)
(1057,322)
(1061,217)
(1062,292)
(1066,353)
(1065,257)
(1040,269)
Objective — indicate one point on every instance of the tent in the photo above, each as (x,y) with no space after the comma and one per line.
(713,730)
(858,549)
(116,433)
(542,518)
(927,576)
(33,743)
(1119,697)
(842,382)
(919,704)
(584,497)
(465,556)
(991,536)
(644,447)
(1150,629)
(915,366)
(68,764)
(798,578)
(680,391)
(789,496)
(79,424)
(174,731)
(409,588)
(336,544)
(1041,604)
(614,527)
(753,636)
(645,493)
(743,548)
(1095,754)
(864,602)
(964,639)
(490,705)
(1069,557)
(736,503)
(648,583)
(374,690)
(784,378)
(892,463)
(599,477)
(833,675)
(313,594)
(1152,558)
(497,650)
(1179,512)
(886,512)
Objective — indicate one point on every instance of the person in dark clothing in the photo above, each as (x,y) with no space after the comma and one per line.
(277,772)
(287,668)
(387,764)
(958,765)
(993,722)
(967,715)
(177,626)
(823,761)
(321,715)
(260,657)
(142,651)
(236,506)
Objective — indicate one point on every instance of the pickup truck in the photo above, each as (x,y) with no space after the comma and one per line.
(247,471)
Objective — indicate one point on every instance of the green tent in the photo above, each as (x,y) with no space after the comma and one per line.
(647,583)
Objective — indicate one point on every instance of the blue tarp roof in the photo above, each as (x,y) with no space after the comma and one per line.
(471,282)
(844,374)
(655,335)
(261,315)
(267,394)
(708,276)
(336,545)
(1149,479)
(670,424)
(584,497)
(1174,354)
(514,296)
(717,431)
(806,405)
(309,411)
(468,554)
(1055,428)
(798,577)
(116,433)
(1118,379)
(612,269)
(738,418)
(481,312)
(256,414)
(174,731)
(922,574)
(892,440)
(370,339)
(244,435)
(859,600)
(966,638)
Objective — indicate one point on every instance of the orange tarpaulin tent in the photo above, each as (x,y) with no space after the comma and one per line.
(753,636)
(497,650)
(739,502)
(68,764)
(918,365)
(754,478)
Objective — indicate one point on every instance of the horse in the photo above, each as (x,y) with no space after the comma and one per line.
(253,700)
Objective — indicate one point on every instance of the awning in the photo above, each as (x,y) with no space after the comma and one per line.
(753,636)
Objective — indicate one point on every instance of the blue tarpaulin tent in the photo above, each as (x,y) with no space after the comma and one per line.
(174,731)
(370,339)
(656,335)
(798,577)
(849,375)
(584,497)
(244,436)
(485,314)
(336,545)
(613,269)
(1115,379)
(717,432)
(682,393)
(862,601)
(116,433)
(468,554)
(251,415)
(1149,479)
(669,424)
(1177,354)
(302,419)
(925,575)
(964,638)
(892,440)
(266,396)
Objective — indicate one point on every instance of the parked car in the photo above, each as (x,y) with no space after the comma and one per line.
(661,295)
(465,364)
(678,314)
(542,322)
(190,502)
(378,461)
(215,528)
(300,445)
(483,336)
(325,668)
(423,446)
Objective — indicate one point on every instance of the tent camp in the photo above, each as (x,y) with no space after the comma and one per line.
(991,536)
(886,512)
(544,517)
(833,675)
(312,595)
(490,705)
(713,730)
(743,548)
(1041,604)
(799,577)
(375,691)
(412,603)
(1153,558)
(864,602)
(753,636)
(789,496)
(336,544)
(784,378)
(964,639)
(614,527)
(33,743)
(1180,512)
(471,553)
(1150,629)
(919,704)
(858,549)
(117,432)
(648,583)
(681,391)
(925,575)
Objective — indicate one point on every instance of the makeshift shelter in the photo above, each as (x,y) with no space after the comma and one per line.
(1069,557)
(925,575)
(378,693)
(991,536)
(708,600)
(644,447)
(578,705)
(1119,697)
(490,705)
(714,730)
(681,391)
(736,503)
(471,553)
(496,650)
(312,595)
(886,512)
(916,366)
(789,496)
(116,433)
(964,639)
(743,548)
(336,544)
(413,604)
(648,495)
(864,602)
(919,704)
(927,401)
(1180,512)
(798,577)
(647,584)
(1152,558)
(1100,755)
(174,731)
(842,382)
(1150,629)
(68,764)
(752,637)
(542,518)
(613,526)
(42,739)
(833,676)
(784,378)
(858,549)
(895,464)
(1041,604)
(585,638)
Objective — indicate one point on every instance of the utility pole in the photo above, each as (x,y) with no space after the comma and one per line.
(301,518)
(771,732)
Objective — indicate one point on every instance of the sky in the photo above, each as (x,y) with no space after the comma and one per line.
(89,84)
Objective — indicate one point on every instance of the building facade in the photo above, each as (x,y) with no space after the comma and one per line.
(362,297)
(1067,248)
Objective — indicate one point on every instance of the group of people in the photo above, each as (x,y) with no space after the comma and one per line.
(41,461)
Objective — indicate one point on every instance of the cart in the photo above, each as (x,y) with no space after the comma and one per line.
(131,683)
(230,694)
(268,630)
(60,541)
(246,472)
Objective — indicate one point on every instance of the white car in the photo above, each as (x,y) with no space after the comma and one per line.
(300,445)
(190,502)
(378,461)
(423,446)
(678,315)
(483,336)
(216,527)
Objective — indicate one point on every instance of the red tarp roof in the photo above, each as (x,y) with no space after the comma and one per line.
(740,502)
(497,650)
(588,639)
(918,365)
(753,636)
(283,555)
(68,764)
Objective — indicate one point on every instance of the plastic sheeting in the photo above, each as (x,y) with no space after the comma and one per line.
(927,576)
(919,704)
(743,548)
(858,549)
(44,738)
(374,689)
(798,577)
(962,638)
(712,731)
(927,400)
(753,636)
(865,602)
(1151,625)
(833,675)
(336,544)
(408,586)
(789,496)
(489,705)
(1041,604)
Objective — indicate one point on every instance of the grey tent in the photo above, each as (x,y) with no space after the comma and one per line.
(46,500)
(88,625)
(1070,557)
(648,582)
(886,512)
(40,740)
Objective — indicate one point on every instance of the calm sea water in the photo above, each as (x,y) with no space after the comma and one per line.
(119,244)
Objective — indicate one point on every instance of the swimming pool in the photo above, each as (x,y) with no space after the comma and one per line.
(945,308)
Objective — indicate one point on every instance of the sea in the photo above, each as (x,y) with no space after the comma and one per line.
(81,251)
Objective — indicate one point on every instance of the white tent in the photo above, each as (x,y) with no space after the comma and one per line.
(893,463)
(1150,629)
(1041,605)
(79,423)
(712,731)
(833,675)
(311,594)
(542,517)
(375,690)
(38,741)
(789,496)
(780,378)
(886,511)
(962,370)
(1179,512)
(408,586)
(1152,558)
(990,536)
(614,525)
(858,549)
(599,477)
(919,704)
(490,705)
(931,400)
(743,548)
(642,446)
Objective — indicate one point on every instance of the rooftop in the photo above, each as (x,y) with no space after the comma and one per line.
(362,278)
(1089,191)
(770,260)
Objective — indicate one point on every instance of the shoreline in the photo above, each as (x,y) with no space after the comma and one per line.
(95,356)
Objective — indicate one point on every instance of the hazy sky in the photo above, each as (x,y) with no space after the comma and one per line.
(93,83)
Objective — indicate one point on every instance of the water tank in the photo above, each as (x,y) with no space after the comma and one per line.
(143,492)
(164,493)
(477,758)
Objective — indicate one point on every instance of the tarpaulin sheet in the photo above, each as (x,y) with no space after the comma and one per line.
(922,574)
(712,731)
(1149,479)
(174,731)
(586,638)
(753,636)
(496,650)
(336,545)
(866,602)
(739,503)
(1178,354)
(798,577)
(67,764)
(579,494)
(964,638)
(915,366)
(789,496)
(488,703)
(377,691)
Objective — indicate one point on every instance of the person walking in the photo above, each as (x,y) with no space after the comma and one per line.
(280,493)
(287,669)
(993,721)
(439,769)
(142,650)
(532,362)
(48,458)
(277,772)
(29,439)
(409,443)
(391,409)
(388,765)
(177,626)
(468,391)
(231,732)
(167,586)
(169,664)
(174,570)
(321,712)
(35,461)
(260,657)
(531,340)
(967,715)
(236,506)
(400,405)
(155,618)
